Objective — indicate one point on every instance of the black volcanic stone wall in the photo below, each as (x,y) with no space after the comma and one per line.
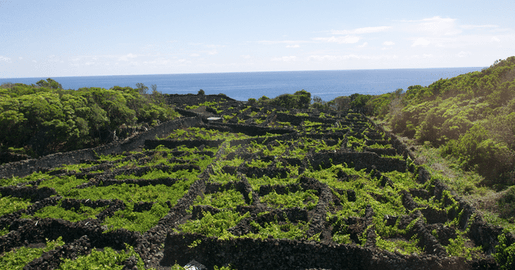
(288,254)
(26,167)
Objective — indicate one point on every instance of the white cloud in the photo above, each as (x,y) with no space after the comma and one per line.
(293,46)
(285,58)
(495,39)
(463,54)
(246,56)
(212,52)
(468,26)
(424,56)
(340,40)
(5,59)
(388,43)
(364,30)
(333,57)
(350,56)
(420,42)
(436,26)
(127,57)
(363,45)
(194,55)
(273,42)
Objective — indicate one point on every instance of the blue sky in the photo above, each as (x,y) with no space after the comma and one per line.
(81,38)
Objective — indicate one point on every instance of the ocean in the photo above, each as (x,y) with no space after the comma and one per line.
(326,84)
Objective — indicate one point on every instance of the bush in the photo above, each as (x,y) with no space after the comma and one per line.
(45,118)
(505,252)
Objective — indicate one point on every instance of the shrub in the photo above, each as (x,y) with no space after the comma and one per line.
(505,252)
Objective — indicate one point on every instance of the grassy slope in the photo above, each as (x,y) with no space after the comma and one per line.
(462,128)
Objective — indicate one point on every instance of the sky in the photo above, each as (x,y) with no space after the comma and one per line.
(54,38)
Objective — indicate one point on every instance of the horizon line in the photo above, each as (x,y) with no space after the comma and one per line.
(270,71)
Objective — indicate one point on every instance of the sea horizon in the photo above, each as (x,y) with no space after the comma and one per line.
(225,72)
(327,84)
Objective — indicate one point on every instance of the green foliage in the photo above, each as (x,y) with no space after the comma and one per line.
(45,118)
(106,259)
(256,182)
(299,100)
(156,174)
(63,185)
(507,203)
(205,134)
(358,102)
(136,221)
(505,252)
(401,246)
(57,212)
(213,225)
(18,258)
(280,230)
(302,199)
(18,180)
(134,193)
(472,116)
(258,163)
(227,199)
(457,247)
(224,178)
(12,204)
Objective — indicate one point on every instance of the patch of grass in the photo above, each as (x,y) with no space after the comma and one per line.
(18,258)
(224,178)
(106,259)
(302,199)
(63,185)
(57,212)
(156,174)
(227,199)
(213,225)
(258,163)
(457,247)
(401,246)
(256,182)
(15,180)
(10,204)
(136,221)
(134,193)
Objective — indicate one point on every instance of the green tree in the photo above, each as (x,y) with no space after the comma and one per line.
(142,88)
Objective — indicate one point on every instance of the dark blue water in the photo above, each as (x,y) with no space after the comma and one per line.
(242,86)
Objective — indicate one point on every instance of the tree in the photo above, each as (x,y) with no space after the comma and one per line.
(201,92)
(49,83)
(142,89)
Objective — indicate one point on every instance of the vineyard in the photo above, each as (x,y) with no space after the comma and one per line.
(238,186)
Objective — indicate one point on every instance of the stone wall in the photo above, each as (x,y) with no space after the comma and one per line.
(26,167)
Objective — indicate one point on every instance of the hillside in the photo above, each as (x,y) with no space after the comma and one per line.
(41,119)
(243,186)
